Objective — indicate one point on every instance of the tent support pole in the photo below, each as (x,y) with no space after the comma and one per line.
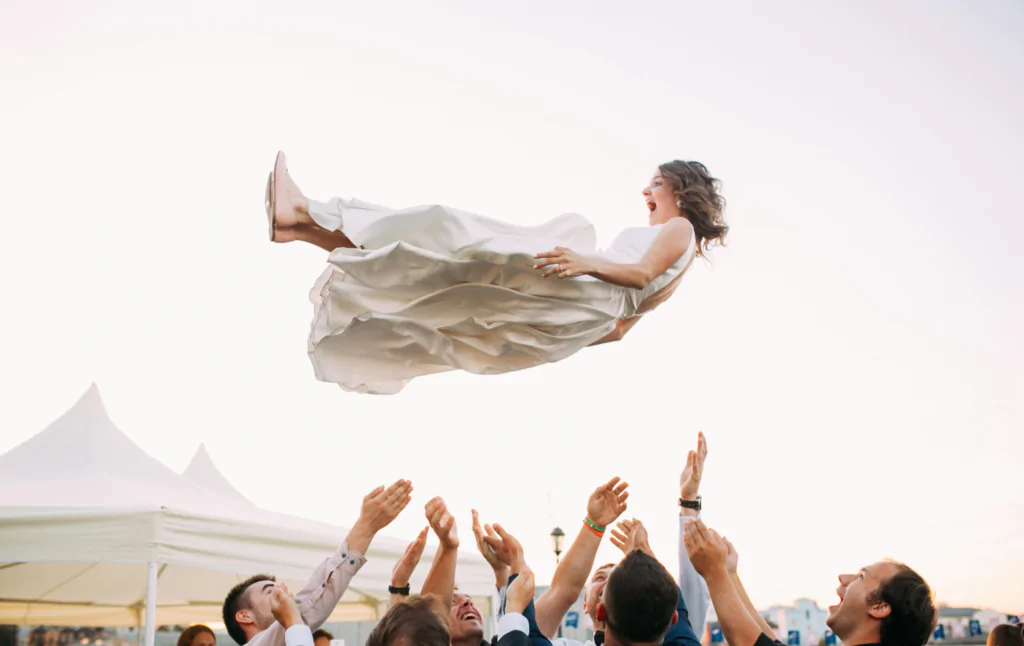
(151,604)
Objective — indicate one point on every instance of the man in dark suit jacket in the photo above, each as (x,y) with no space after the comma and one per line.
(518,626)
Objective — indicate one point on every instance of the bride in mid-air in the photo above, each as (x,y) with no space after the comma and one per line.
(427,289)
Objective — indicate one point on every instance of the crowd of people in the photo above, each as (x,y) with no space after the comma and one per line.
(634,602)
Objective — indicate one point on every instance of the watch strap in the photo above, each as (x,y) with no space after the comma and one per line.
(691,504)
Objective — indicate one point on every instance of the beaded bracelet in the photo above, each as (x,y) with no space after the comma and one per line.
(597,529)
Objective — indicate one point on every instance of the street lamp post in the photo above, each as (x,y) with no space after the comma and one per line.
(557,536)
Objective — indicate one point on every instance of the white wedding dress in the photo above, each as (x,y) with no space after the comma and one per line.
(435,289)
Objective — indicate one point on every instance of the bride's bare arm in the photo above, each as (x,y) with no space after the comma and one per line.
(667,248)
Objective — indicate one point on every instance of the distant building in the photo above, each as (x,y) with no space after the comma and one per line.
(989,619)
(804,617)
(956,621)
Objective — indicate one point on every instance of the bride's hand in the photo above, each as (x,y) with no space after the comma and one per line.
(564,262)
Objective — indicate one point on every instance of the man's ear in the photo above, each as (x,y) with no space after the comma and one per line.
(602,613)
(879,610)
(244,617)
(675,618)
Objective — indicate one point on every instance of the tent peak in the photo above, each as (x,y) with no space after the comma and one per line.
(202,471)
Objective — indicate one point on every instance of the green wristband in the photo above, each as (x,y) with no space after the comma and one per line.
(597,528)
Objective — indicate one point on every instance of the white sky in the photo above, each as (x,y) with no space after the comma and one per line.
(852,354)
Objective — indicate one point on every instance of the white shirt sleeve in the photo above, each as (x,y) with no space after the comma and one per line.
(298,635)
(502,598)
(692,585)
(510,622)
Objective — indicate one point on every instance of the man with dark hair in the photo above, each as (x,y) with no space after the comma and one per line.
(885,603)
(639,602)
(322,638)
(572,569)
(250,607)
(695,602)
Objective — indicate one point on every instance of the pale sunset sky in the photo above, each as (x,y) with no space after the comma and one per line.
(852,354)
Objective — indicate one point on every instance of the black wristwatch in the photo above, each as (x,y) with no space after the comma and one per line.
(690,504)
(404,591)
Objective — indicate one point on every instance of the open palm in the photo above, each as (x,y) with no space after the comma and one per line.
(607,502)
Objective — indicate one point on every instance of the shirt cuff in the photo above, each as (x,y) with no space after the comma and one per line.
(343,557)
(298,635)
(510,622)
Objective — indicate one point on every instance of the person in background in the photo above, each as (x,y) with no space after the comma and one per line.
(1006,635)
(197,635)
(322,638)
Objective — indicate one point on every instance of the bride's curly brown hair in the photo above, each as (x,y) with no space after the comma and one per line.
(702,205)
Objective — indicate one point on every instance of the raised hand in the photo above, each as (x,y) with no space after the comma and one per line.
(607,502)
(442,522)
(405,566)
(620,535)
(506,547)
(501,570)
(520,592)
(631,535)
(689,479)
(708,551)
(485,550)
(283,606)
(381,506)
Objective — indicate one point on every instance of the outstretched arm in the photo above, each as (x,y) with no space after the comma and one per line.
(406,565)
(321,595)
(692,586)
(708,553)
(441,578)
(732,563)
(604,505)
(669,245)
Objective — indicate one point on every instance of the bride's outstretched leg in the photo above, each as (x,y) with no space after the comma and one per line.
(288,212)
(326,240)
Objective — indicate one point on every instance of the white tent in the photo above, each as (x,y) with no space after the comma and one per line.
(202,471)
(91,527)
